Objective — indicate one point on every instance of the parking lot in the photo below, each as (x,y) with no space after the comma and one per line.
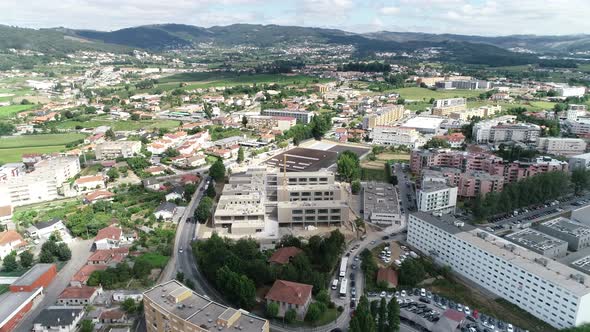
(426,311)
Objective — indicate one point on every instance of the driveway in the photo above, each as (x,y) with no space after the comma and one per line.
(80,253)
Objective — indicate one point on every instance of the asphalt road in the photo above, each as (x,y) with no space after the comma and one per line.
(80,253)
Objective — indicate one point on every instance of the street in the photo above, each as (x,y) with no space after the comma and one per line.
(80,253)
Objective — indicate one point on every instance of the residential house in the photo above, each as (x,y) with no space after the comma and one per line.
(81,277)
(284,255)
(113,316)
(176,193)
(82,295)
(165,211)
(108,256)
(98,195)
(43,229)
(58,318)
(155,170)
(10,241)
(290,295)
(88,183)
(122,295)
(108,238)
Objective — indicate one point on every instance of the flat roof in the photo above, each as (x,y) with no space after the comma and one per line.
(379,198)
(426,122)
(569,227)
(32,274)
(12,301)
(535,240)
(179,300)
(445,222)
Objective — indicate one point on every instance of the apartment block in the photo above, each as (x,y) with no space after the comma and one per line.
(561,146)
(549,290)
(481,112)
(444,107)
(463,84)
(577,235)
(261,122)
(117,149)
(437,197)
(481,130)
(301,116)
(385,116)
(397,136)
(540,243)
(171,306)
(522,132)
(579,161)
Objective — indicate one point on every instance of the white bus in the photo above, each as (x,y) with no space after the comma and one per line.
(335,284)
(343,266)
(343,288)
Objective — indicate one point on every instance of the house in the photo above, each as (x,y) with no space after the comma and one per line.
(122,295)
(42,230)
(284,255)
(91,182)
(114,316)
(58,318)
(81,277)
(387,275)
(10,241)
(108,238)
(165,211)
(290,295)
(82,295)
(176,193)
(156,170)
(98,195)
(108,257)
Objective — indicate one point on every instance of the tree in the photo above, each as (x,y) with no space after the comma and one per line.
(110,134)
(435,143)
(240,155)
(10,263)
(180,276)
(290,316)
(272,309)
(580,180)
(348,166)
(313,312)
(217,170)
(362,321)
(355,186)
(381,326)
(6,129)
(203,210)
(189,190)
(393,316)
(26,259)
(211,190)
(86,326)
(46,257)
(63,252)
(171,152)
(244,121)
(411,272)
(113,174)
(129,306)
(323,297)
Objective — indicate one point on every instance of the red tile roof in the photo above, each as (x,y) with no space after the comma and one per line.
(110,232)
(10,236)
(388,275)
(115,314)
(98,194)
(289,292)
(84,273)
(87,179)
(283,255)
(72,292)
(109,255)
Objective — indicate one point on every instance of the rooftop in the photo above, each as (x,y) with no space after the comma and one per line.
(283,255)
(568,227)
(10,301)
(289,292)
(178,300)
(83,292)
(535,240)
(379,198)
(58,316)
(33,274)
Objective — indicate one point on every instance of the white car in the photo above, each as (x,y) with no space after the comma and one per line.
(403,293)
(467,311)
(459,308)
(383,294)
(422,292)
(510,328)
(180,250)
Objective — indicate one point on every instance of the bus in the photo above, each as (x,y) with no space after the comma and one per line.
(343,266)
(335,284)
(343,288)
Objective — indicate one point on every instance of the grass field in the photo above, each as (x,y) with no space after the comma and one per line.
(155,260)
(421,94)
(12,148)
(11,110)
(212,79)
(120,125)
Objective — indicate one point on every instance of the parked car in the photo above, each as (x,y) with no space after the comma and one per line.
(383,294)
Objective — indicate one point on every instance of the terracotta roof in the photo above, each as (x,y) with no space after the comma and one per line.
(84,273)
(115,314)
(388,275)
(289,292)
(10,236)
(98,194)
(83,292)
(110,232)
(109,255)
(86,179)
(5,211)
(283,255)
(155,169)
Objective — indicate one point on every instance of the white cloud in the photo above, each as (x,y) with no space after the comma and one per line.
(389,10)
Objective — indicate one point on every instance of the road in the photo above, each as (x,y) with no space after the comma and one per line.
(80,253)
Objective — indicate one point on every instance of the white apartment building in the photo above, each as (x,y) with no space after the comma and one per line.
(580,127)
(434,196)
(301,116)
(549,290)
(561,146)
(575,111)
(384,116)
(481,130)
(579,161)
(397,136)
(522,132)
(482,112)
(116,149)
(444,107)
(564,90)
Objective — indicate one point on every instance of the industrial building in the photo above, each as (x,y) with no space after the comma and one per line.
(171,306)
(575,234)
(551,291)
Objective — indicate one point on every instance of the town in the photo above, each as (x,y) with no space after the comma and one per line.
(201,190)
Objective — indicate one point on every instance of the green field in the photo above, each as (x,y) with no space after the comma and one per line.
(12,148)
(212,79)
(11,110)
(415,93)
(120,125)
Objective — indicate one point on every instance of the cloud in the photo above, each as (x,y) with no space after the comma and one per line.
(389,10)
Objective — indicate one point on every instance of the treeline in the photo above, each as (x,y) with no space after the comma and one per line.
(562,63)
(317,128)
(365,67)
(534,190)
(515,152)
(279,67)
(237,268)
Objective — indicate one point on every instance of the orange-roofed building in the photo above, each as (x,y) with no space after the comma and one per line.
(81,277)
(284,255)
(290,295)
(10,241)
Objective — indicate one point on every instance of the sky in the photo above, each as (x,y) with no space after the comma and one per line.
(473,17)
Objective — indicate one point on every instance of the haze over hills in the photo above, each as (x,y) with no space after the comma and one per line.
(457,48)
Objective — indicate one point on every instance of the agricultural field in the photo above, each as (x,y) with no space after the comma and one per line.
(422,94)
(119,125)
(11,110)
(12,148)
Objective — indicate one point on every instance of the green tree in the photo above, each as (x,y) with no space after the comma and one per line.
(411,272)
(180,276)
(580,180)
(272,309)
(203,210)
(46,257)
(290,316)
(7,129)
(362,321)
(110,134)
(382,317)
(393,316)
(63,252)
(9,264)
(189,191)
(313,312)
(26,259)
(435,143)
(348,166)
(86,326)
(211,190)
(113,174)
(355,186)
(323,297)
(244,121)
(240,155)
(129,306)
(217,170)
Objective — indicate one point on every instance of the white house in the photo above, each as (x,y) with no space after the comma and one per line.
(10,241)
(42,230)
(165,211)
